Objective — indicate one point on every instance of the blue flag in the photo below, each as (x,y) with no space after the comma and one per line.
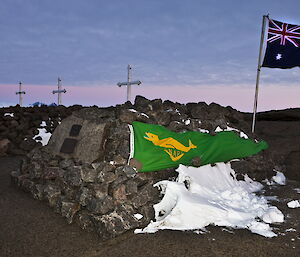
(283,45)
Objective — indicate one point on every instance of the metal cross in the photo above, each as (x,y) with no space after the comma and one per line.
(59,91)
(129,83)
(20,93)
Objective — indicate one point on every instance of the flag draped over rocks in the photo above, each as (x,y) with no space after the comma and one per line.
(153,147)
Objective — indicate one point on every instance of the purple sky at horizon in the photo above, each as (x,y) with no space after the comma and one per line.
(270,98)
(185,51)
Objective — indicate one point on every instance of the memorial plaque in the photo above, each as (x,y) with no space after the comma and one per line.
(75,129)
(68,145)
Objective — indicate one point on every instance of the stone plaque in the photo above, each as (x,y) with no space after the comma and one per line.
(88,145)
(68,145)
(74,132)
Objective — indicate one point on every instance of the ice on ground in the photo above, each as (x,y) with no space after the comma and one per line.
(212,195)
(241,133)
(290,230)
(272,198)
(294,204)
(279,178)
(43,134)
(11,114)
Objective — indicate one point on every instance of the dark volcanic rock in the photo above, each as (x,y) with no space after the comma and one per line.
(84,174)
(73,176)
(4,146)
(69,209)
(101,206)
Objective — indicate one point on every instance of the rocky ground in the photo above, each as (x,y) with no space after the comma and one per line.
(31,228)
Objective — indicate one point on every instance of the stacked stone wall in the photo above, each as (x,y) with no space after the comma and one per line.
(98,190)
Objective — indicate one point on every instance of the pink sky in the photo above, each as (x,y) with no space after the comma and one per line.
(241,98)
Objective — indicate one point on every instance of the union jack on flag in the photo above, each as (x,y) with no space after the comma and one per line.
(283,32)
(283,45)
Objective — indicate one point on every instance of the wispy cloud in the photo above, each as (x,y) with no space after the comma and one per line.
(193,43)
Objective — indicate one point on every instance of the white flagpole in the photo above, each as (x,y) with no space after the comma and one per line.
(258,70)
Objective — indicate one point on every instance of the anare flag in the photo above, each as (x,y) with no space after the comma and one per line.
(154,147)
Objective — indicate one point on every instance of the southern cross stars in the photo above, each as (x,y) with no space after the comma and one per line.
(278,56)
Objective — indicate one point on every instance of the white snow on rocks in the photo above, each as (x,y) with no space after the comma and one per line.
(43,134)
(294,204)
(187,122)
(138,216)
(279,178)
(297,190)
(203,130)
(9,114)
(212,195)
(241,133)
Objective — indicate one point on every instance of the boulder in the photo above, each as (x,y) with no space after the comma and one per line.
(81,136)
(4,146)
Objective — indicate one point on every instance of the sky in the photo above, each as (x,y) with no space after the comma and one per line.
(185,51)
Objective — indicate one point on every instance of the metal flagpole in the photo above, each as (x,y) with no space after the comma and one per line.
(258,70)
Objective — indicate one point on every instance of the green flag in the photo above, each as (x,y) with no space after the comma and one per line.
(153,147)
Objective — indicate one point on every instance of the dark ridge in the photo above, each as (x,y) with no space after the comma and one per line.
(276,115)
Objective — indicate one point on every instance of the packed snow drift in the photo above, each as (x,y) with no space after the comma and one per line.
(212,195)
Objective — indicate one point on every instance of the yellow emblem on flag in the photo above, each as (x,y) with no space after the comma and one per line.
(172,147)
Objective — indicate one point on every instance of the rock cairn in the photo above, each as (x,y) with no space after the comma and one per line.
(83,174)
(18,125)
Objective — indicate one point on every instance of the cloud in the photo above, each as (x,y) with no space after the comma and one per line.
(167,42)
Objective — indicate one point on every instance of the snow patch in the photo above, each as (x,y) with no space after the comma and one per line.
(138,216)
(212,195)
(203,130)
(279,178)
(43,134)
(11,114)
(272,198)
(187,122)
(290,230)
(294,204)
(241,133)
(145,115)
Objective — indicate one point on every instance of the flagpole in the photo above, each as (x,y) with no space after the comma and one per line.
(258,70)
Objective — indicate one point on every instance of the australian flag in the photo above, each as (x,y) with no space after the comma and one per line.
(283,45)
